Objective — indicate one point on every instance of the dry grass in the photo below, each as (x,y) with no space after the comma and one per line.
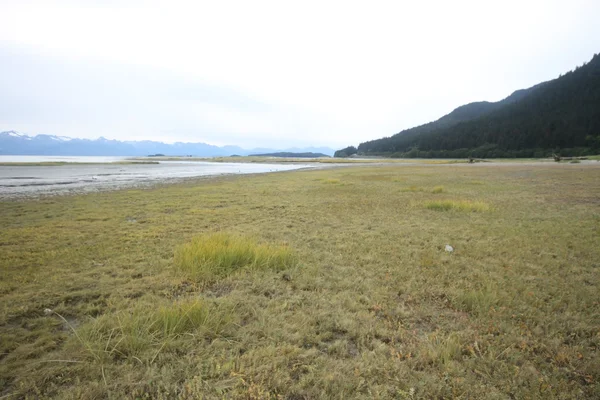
(373,307)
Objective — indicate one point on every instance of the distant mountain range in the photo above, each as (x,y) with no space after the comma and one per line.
(15,143)
(561,115)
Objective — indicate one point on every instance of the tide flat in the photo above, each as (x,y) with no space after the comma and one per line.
(31,181)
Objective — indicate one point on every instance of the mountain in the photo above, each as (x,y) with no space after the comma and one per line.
(561,115)
(15,143)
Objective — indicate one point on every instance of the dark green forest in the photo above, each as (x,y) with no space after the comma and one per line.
(559,116)
(347,152)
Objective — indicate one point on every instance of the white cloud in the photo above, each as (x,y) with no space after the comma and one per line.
(328,72)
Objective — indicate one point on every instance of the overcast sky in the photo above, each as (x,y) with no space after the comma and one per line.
(274,73)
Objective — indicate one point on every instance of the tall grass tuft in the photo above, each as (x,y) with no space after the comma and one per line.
(458,205)
(478,302)
(210,257)
(437,189)
(142,333)
(441,349)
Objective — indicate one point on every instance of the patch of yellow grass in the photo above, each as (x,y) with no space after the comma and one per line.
(210,257)
(438,189)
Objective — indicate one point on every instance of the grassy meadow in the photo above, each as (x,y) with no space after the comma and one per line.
(330,283)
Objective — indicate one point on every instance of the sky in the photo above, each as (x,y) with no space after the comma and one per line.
(274,73)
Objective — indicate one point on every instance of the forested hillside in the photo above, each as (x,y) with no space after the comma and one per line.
(562,115)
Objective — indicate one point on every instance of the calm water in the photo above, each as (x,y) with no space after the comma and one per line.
(32,181)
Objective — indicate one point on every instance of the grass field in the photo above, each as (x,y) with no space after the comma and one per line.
(330,283)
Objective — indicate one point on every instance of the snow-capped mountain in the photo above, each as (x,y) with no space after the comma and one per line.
(16,143)
(15,134)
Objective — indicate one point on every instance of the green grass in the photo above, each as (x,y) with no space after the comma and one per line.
(143,332)
(210,257)
(368,305)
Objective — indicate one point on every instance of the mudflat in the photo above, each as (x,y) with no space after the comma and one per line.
(17,181)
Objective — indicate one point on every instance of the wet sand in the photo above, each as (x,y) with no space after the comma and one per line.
(36,181)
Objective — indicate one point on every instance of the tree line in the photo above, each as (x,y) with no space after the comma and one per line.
(560,116)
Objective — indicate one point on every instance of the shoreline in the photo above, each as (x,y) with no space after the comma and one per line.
(30,183)
(142,184)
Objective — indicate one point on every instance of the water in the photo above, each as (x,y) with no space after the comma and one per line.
(73,159)
(33,181)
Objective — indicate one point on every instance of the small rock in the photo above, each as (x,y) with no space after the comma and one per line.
(449,248)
